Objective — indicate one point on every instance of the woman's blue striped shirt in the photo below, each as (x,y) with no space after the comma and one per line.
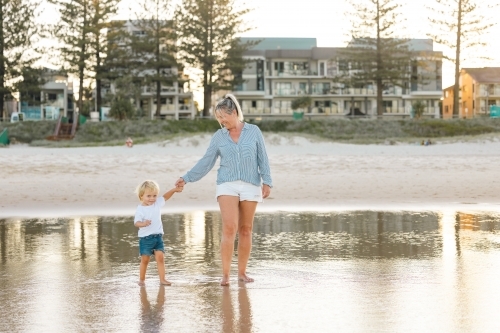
(246,160)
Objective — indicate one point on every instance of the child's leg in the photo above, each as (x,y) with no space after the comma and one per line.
(143,268)
(160,261)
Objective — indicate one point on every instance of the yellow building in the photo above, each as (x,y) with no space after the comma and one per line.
(479,89)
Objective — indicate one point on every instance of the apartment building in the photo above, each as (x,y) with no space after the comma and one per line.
(176,99)
(56,98)
(479,90)
(283,69)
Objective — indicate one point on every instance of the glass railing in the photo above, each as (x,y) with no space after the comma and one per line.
(32,112)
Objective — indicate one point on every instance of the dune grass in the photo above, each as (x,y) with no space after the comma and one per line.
(110,133)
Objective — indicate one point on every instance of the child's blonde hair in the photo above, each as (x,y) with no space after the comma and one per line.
(146,185)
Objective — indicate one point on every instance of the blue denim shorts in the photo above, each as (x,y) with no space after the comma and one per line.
(151,243)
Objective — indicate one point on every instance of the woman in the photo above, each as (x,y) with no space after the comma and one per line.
(243,180)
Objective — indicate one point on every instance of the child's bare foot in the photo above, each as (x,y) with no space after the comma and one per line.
(243,277)
(225,281)
(141,283)
(165,283)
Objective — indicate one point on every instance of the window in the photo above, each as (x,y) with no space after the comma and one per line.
(254,104)
(322,68)
(260,75)
(283,88)
(279,67)
(302,88)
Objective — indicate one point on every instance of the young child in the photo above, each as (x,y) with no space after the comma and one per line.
(148,220)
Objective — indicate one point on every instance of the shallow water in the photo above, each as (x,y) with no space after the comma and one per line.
(363,271)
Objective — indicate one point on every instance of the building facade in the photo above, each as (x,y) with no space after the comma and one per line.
(283,69)
(479,90)
(56,98)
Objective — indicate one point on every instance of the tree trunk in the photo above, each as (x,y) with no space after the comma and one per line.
(456,88)
(380,99)
(208,66)
(98,96)
(2,64)
(158,60)
(158,97)
(380,65)
(81,65)
(207,100)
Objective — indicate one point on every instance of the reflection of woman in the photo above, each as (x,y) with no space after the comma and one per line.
(243,180)
(245,311)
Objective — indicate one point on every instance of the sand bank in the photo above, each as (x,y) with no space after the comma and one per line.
(308,174)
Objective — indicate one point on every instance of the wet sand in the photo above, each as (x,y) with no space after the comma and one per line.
(309,175)
(362,271)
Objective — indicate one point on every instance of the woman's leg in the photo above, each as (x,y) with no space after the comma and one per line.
(245,227)
(143,268)
(229,212)
(160,263)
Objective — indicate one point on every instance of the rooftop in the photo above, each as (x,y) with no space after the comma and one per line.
(485,74)
(281,43)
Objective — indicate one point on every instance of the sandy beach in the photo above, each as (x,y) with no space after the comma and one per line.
(308,175)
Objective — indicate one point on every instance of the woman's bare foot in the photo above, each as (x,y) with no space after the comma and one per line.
(141,283)
(165,283)
(243,277)
(225,281)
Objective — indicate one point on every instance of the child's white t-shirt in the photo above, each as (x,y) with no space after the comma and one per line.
(152,213)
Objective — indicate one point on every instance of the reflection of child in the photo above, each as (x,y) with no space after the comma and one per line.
(148,220)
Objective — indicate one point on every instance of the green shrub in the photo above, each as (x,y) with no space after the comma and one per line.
(352,130)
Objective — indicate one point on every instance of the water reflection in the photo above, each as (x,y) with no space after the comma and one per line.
(152,316)
(240,321)
(314,272)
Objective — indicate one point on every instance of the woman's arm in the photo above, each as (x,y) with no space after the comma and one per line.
(263,161)
(204,165)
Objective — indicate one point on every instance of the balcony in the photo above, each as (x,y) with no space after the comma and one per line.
(355,91)
(164,89)
(289,73)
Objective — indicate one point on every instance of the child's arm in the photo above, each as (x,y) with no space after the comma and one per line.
(142,224)
(169,194)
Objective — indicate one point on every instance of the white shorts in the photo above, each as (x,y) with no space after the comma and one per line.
(245,191)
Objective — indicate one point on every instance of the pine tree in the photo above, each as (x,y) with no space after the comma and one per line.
(18,35)
(207,41)
(375,55)
(73,32)
(460,25)
(101,12)
(153,46)
(29,87)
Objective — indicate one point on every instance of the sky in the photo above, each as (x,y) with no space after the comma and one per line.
(326,20)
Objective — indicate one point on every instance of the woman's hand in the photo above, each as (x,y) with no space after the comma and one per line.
(266,191)
(180,183)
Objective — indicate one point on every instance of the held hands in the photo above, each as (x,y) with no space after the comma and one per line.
(178,188)
(266,191)
(180,183)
